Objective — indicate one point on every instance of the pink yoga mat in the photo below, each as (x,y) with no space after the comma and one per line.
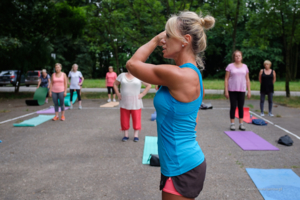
(49,111)
(249,141)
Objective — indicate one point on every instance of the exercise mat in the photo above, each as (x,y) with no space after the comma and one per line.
(150,147)
(109,105)
(35,121)
(249,141)
(276,184)
(67,99)
(50,110)
(39,97)
(247,118)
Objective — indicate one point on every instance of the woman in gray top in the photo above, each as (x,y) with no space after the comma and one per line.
(74,77)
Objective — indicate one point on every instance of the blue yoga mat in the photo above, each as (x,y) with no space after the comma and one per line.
(150,147)
(153,116)
(35,121)
(276,184)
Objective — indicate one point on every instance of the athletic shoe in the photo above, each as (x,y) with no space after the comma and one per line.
(46,101)
(125,139)
(271,115)
(242,127)
(262,114)
(136,139)
(108,100)
(62,118)
(55,118)
(114,100)
(232,127)
(80,107)
(71,106)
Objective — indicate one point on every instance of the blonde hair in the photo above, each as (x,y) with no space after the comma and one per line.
(74,65)
(187,22)
(110,67)
(58,65)
(268,62)
(43,70)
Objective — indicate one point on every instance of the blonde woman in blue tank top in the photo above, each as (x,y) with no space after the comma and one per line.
(177,102)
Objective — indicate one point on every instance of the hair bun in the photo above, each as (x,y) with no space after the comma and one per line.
(207,22)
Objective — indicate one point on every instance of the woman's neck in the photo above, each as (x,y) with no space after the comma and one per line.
(185,57)
(237,63)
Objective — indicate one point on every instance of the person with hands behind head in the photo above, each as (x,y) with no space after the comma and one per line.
(58,90)
(44,81)
(236,81)
(177,102)
(130,102)
(75,84)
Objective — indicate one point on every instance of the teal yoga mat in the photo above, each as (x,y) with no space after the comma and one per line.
(67,99)
(150,147)
(35,121)
(276,184)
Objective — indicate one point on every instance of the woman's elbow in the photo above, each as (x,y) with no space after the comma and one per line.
(129,64)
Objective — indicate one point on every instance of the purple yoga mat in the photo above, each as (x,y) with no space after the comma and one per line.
(49,111)
(249,141)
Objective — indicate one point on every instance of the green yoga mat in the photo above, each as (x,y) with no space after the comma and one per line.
(67,99)
(35,121)
(39,97)
(150,147)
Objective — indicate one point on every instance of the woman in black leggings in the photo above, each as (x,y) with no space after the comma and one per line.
(236,82)
(267,78)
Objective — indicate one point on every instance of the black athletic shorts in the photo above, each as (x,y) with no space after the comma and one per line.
(109,90)
(189,184)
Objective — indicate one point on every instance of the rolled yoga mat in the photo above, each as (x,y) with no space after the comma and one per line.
(35,121)
(109,105)
(67,99)
(39,97)
(276,184)
(153,116)
(247,118)
(150,147)
(50,111)
(249,141)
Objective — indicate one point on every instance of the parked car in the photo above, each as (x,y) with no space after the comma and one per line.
(10,77)
(32,78)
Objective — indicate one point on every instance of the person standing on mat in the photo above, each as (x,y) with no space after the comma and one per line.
(236,82)
(75,76)
(44,81)
(130,103)
(267,78)
(177,102)
(110,78)
(58,90)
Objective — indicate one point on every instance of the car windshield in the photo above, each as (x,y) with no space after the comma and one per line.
(5,73)
(32,73)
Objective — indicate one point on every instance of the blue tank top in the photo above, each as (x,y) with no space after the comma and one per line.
(178,150)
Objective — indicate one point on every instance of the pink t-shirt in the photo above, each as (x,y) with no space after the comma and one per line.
(237,78)
(110,79)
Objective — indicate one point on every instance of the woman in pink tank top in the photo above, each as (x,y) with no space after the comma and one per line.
(58,90)
(236,82)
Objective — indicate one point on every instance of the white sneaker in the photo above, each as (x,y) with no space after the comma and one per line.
(114,100)
(80,107)
(46,101)
(71,106)
(271,115)
(109,100)
(262,114)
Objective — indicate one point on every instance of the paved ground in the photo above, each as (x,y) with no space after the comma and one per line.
(84,158)
(33,88)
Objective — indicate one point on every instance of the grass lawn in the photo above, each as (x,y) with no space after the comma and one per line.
(216,84)
(290,102)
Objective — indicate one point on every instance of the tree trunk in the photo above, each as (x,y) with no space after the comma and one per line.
(235,24)
(287,72)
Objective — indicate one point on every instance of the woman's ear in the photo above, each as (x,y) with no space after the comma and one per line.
(188,38)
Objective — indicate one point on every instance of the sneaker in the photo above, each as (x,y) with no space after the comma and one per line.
(71,106)
(232,127)
(62,118)
(80,107)
(114,100)
(136,139)
(271,115)
(262,114)
(242,127)
(46,101)
(108,100)
(125,139)
(55,118)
